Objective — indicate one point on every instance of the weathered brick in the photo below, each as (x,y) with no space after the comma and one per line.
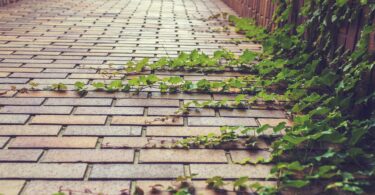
(38,75)
(252,113)
(130,171)
(11,187)
(249,155)
(161,111)
(103,130)
(89,155)
(20,155)
(110,110)
(13,81)
(69,119)
(94,187)
(13,119)
(21,69)
(55,94)
(182,156)
(3,141)
(78,102)
(118,95)
(36,109)
(138,142)
(274,122)
(4,74)
(221,121)
(147,103)
(169,131)
(53,142)
(41,171)
(230,171)
(134,120)
(178,96)
(21,101)
(12,130)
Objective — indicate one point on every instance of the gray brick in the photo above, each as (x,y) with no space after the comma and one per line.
(95,187)
(135,171)
(41,171)
(38,75)
(13,119)
(78,102)
(20,155)
(231,171)
(21,101)
(221,121)
(36,109)
(103,130)
(12,130)
(147,103)
(110,110)
(11,187)
(89,155)
(252,113)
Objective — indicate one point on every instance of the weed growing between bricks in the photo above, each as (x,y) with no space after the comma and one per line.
(328,146)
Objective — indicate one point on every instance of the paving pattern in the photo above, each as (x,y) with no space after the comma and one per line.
(111,142)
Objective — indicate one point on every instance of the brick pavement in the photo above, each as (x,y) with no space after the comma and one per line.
(111,142)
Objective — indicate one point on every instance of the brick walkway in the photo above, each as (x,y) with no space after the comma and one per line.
(105,141)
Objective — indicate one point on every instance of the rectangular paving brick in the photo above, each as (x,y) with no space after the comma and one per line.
(20,155)
(110,110)
(182,156)
(13,81)
(275,122)
(252,113)
(103,130)
(69,119)
(11,187)
(147,103)
(46,94)
(179,96)
(21,101)
(21,69)
(13,119)
(136,171)
(41,171)
(230,171)
(38,75)
(78,102)
(12,130)
(138,142)
(135,120)
(36,109)
(118,95)
(170,131)
(221,121)
(162,111)
(89,155)
(95,187)
(53,142)
(3,141)
(249,155)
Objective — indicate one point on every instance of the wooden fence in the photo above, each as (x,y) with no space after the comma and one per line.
(6,2)
(262,12)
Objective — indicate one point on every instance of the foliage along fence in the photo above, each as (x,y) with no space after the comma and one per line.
(348,35)
(6,2)
(262,12)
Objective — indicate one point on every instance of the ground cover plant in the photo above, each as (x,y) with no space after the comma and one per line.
(328,91)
